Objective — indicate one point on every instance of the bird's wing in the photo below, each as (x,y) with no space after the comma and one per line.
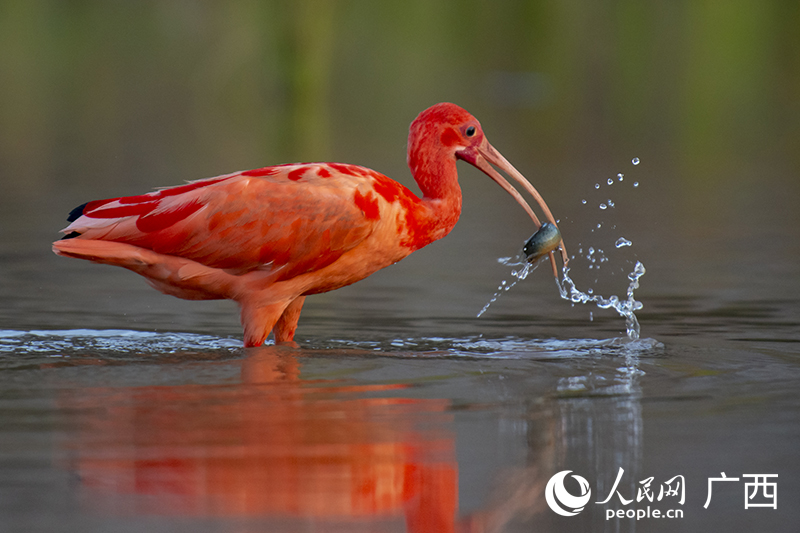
(298,218)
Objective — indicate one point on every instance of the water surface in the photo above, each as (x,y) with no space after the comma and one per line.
(125,410)
(384,420)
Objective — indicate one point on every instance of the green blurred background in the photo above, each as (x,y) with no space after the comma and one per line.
(140,91)
(102,99)
(108,98)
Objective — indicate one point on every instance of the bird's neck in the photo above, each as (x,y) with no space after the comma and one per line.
(441,198)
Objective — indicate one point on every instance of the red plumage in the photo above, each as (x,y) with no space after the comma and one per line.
(268,237)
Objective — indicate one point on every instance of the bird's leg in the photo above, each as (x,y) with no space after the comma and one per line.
(287,323)
(258,320)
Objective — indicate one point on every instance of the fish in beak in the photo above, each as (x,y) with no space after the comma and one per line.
(483,156)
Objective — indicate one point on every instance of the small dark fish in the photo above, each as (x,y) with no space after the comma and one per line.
(545,240)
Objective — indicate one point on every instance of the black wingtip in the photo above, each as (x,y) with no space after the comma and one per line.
(76,213)
(70,235)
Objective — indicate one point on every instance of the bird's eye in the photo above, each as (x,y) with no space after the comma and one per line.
(470,131)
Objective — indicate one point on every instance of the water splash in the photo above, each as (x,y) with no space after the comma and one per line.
(626,308)
(520,274)
(595,257)
(568,290)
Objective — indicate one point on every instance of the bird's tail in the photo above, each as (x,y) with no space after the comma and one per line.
(169,274)
(106,252)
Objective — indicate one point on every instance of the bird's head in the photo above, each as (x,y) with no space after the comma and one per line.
(444,133)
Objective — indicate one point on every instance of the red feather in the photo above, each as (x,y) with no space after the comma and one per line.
(268,237)
(220,222)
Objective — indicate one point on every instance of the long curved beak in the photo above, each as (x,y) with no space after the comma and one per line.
(483,157)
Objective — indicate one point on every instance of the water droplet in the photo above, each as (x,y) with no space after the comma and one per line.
(596,185)
(622,241)
(583,202)
(635,160)
(603,206)
(591,250)
(502,283)
(635,183)
(599,226)
(610,203)
(620,176)
(610,181)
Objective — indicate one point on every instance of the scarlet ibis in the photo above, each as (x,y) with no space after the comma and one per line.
(269,237)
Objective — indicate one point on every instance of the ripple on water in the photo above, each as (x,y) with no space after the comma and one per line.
(127,343)
(56,343)
(502,348)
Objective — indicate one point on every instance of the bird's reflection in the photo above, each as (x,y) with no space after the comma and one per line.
(271,444)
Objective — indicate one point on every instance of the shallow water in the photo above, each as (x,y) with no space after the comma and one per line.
(125,410)
(136,411)
(673,126)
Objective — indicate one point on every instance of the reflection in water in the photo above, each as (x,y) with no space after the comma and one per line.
(274,445)
(593,427)
(597,437)
(605,436)
(271,446)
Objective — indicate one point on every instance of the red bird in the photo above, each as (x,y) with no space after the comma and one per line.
(269,237)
